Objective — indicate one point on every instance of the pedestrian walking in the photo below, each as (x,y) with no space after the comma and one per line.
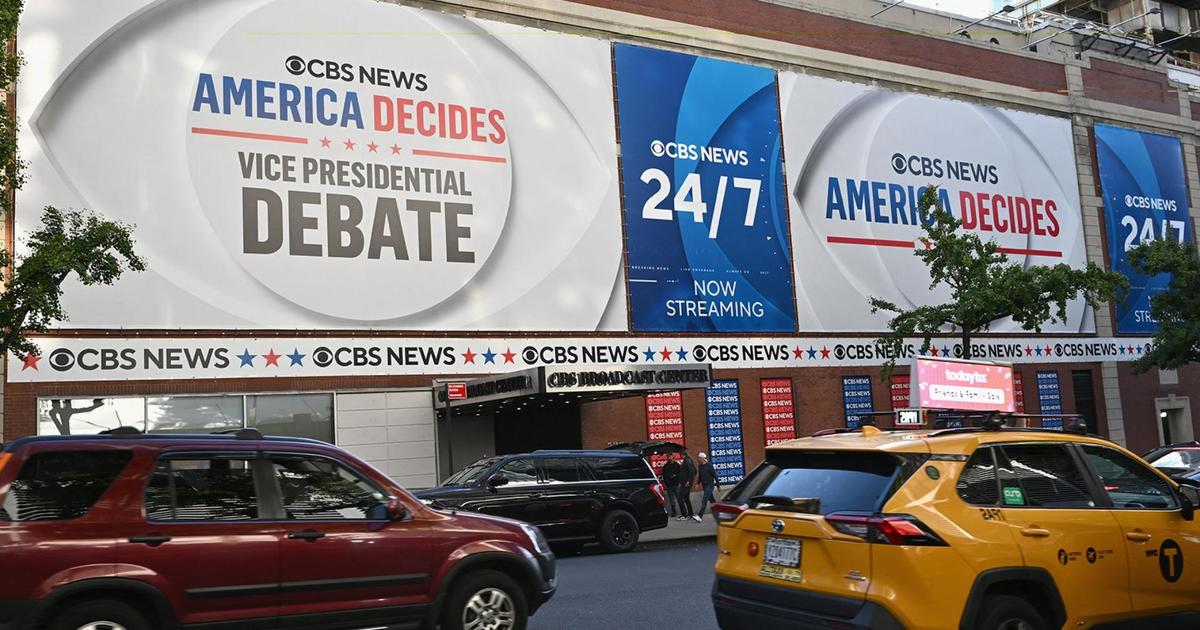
(708,483)
(687,477)
(670,481)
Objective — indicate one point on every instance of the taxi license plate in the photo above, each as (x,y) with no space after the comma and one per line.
(782,552)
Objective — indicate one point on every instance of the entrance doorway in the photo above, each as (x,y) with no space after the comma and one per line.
(1174,419)
(534,426)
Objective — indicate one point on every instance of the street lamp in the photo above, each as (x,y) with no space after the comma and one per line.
(1008,8)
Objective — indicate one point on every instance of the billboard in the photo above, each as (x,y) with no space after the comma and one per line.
(705,205)
(858,158)
(778,410)
(1145,198)
(963,385)
(290,166)
(724,404)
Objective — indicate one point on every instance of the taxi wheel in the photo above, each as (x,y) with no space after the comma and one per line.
(618,531)
(1005,612)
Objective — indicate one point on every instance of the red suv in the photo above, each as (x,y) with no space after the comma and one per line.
(126,531)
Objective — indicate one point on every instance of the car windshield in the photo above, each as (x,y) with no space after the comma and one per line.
(471,474)
(1179,462)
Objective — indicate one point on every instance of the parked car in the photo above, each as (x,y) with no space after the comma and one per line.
(126,531)
(573,496)
(1002,528)
(649,449)
(1180,462)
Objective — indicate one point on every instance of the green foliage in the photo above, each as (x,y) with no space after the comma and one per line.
(1177,309)
(985,286)
(96,250)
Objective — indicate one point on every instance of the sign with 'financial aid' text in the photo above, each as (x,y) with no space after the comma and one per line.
(705,209)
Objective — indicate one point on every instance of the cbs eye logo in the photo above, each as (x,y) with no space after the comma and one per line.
(62,359)
(294,65)
(322,356)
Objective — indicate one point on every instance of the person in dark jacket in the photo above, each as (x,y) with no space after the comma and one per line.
(687,477)
(670,481)
(708,483)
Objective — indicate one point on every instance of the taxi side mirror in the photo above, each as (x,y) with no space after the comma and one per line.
(1190,501)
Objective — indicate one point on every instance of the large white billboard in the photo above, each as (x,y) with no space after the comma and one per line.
(858,158)
(314,164)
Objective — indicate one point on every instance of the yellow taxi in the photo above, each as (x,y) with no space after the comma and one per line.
(973,528)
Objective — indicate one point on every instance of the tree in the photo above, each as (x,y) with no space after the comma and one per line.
(1177,309)
(985,286)
(79,242)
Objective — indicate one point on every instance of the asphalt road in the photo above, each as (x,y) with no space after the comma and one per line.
(661,588)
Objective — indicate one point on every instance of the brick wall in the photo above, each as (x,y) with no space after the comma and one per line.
(1123,84)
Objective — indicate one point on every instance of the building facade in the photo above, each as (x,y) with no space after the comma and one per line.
(345,205)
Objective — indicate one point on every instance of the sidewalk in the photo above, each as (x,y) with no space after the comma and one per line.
(683,530)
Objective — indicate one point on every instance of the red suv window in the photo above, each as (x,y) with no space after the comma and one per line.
(61,485)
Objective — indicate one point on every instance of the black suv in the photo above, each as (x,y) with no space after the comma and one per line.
(574,497)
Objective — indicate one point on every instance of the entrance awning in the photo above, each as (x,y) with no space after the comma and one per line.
(553,384)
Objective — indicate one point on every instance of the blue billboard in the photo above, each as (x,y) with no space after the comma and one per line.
(1145,198)
(725,431)
(704,195)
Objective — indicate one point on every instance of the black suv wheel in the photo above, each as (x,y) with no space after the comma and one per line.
(485,600)
(618,531)
(1005,612)
(100,614)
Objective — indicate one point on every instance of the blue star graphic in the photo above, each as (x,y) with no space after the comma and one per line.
(1037,350)
(246,357)
(812,352)
(1139,349)
(488,356)
(1121,349)
(296,357)
(649,354)
(945,351)
(681,353)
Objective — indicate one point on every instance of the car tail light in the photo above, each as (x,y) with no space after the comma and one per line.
(657,489)
(727,512)
(886,529)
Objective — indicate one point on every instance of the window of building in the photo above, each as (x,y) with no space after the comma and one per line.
(62,485)
(315,488)
(295,415)
(84,416)
(193,414)
(202,489)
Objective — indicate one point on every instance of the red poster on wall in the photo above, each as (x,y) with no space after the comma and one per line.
(900,391)
(1018,393)
(664,421)
(779,415)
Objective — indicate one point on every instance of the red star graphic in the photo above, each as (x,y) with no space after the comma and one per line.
(1049,350)
(31,362)
(395,149)
(325,143)
(824,352)
(272,358)
(372,147)
(508,355)
(1131,349)
(1028,351)
(468,356)
(666,354)
(349,145)
(798,352)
